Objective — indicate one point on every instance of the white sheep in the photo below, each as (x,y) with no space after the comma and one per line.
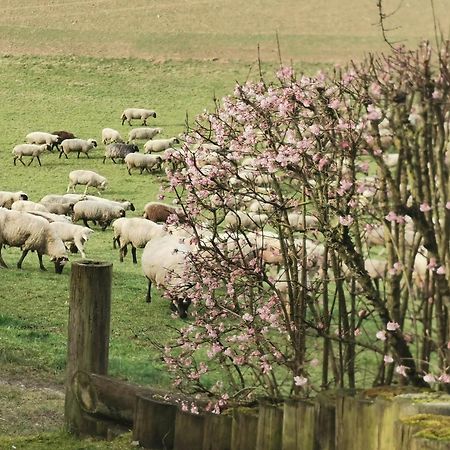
(27,205)
(99,212)
(88,178)
(31,233)
(137,232)
(41,137)
(163,263)
(72,234)
(125,204)
(51,217)
(32,150)
(110,135)
(158,145)
(143,133)
(142,162)
(7,198)
(235,220)
(64,209)
(78,146)
(137,113)
(302,222)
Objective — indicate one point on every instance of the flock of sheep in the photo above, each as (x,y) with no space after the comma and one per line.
(49,227)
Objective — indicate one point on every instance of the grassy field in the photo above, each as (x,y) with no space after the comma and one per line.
(76,65)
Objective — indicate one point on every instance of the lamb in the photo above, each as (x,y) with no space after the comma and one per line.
(100,212)
(63,135)
(137,113)
(41,137)
(32,150)
(20,229)
(119,151)
(78,146)
(137,232)
(110,135)
(158,145)
(74,235)
(87,177)
(142,162)
(8,198)
(159,212)
(163,262)
(143,133)
(27,205)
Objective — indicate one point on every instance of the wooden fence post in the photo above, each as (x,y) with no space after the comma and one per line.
(88,336)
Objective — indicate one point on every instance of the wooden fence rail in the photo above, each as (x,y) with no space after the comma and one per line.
(98,405)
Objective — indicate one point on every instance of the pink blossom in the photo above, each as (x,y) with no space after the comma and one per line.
(396,268)
(447,205)
(441,270)
(314,362)
(401,370)
(429,378)
(381,335)
(346,221)
(247,317)
(388,359)
(323,162)
(315,130)
(300,380)
(334,104)
(425,207)
(444,378)
(392,326)
(374,113)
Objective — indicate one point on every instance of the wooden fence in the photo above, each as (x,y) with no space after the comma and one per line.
(98,405)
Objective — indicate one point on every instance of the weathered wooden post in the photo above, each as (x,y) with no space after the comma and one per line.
(88,337)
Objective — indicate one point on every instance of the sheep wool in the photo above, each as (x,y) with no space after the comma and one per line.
(143,162)
(31,233)
(88,178)
(110,135)
(137,113)
(100,212)
(7,198)
(41,137)
(77,146)
(32,150)
(119,151)
(143,133)
(158,145)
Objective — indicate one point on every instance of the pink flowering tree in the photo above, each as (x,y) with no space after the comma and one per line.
(282,185)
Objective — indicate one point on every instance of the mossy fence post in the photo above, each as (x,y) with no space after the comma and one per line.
(88,337)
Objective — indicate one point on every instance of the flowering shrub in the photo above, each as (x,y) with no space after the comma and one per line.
(350,153)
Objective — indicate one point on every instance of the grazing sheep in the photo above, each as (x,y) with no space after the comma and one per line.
(135,231)
(119,151)
(110,135)
(137,113)
(87,177)
(62,199)
(100,212)
(158,145)
(41,137)
(125,204)
(163,262)
(20,229)
(78,146)
(63,135)
(32,150)
(143,133)
(74,235)
(7,198)
(143,162)
(159,212)
(27,205)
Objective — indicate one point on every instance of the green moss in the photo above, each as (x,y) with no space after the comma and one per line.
(389,392)
(430,426)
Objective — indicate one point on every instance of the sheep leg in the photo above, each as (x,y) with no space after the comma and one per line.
(79,245)
(41,265)
(39,161)
(148,298)
(2,262)
(15,159)
(122,253)
(112,159)
(85,223)
(31,160)
(104,159)
(19,263)
(20,159)
(129,171)
(144,122)
(133,253)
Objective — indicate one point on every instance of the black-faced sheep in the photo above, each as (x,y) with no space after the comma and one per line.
(143,133)
(143,162)
(137,113)
(119,151)
(88,178)
(77,146)
(100,212)
(7,198)
(31,233)
(158,145)
(32,150)
(159,212)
